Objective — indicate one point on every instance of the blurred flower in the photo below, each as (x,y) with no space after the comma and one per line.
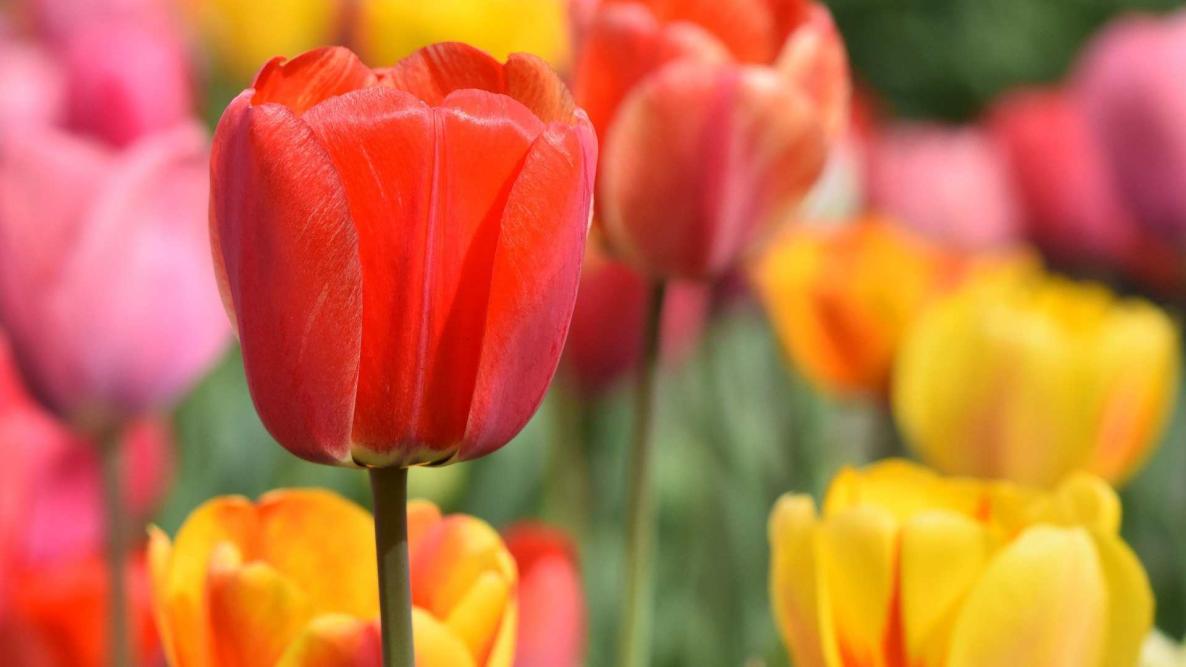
(1073,209)
(715,120)
(1160,651)
(551,599)
(1130,82)
(54,19)
(1026,376)
(401,249)
(841,298)
(605,340)
(908,568)
(291,581)
(105,279)
(34,89)
(951,184)
(53,587)
(388,30)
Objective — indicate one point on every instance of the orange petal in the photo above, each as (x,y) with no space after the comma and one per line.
(335,640)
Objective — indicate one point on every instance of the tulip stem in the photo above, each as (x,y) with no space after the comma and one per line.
(635,636)
(118,648)
(389,487)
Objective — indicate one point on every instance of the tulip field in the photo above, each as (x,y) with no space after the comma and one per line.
(592,333)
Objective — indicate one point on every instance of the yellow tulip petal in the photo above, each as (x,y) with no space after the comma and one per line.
(255,613)
(476,617)
(942,556)
(436,646)
(449,559)
(160,552)
(793,578)
(336,640)
(1041,601)
(856,552)
(1081,500)
(1130,601)
(324,542)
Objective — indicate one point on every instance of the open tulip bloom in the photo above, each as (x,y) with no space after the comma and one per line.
(399,250)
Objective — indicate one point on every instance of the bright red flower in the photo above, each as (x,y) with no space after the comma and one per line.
(551,599)
(400,248)
(715,119)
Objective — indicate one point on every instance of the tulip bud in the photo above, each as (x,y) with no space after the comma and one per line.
(1024,376)
(904,567)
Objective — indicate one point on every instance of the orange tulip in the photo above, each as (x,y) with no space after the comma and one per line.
(290,581)
(841,299)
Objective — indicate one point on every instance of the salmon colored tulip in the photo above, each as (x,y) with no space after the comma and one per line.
(551,599)
(904,567)
(842,298)
(387,30)
(1073,208)
(605,340)
(106,285)
(1130,83)
(950,183)
(289,581)
(400,248)
(1026,376)
(715,119)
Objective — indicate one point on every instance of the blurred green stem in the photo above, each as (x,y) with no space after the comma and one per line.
(635,638)
(389,487)
(568,484)
(118,647)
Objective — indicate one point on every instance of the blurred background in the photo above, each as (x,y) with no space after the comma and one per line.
(739,421)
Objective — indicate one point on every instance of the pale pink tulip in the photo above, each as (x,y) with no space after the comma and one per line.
(34,87)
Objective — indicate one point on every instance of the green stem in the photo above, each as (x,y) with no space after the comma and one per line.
(118,647)
(635,637)
(568,483)
(389,487)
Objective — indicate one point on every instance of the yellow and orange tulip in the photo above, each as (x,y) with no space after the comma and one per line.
(905,567)
(290,581)
(1025,376)
(840,298)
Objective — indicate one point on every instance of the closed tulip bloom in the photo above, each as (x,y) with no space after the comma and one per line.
(715,120)
(842,298)
(106,285)
(290,581)
(903,567)
(1130,82)
(551,600)
(950,183)
(400,249)
(388,30)
(1026,376)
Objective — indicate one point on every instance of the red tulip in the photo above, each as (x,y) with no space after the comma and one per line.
(551,599)
(400,248)
(715,118)
(605,340)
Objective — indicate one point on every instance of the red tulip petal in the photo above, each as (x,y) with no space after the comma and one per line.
(290,254)
(533,284)
(746,27)
(310,78)
(700,159)
(814,58)
(551,600)
(444,173)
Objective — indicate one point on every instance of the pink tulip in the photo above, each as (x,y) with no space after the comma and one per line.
(551,599)
(54,19)
(34,90)
(951,184)
(1132,82)
(106,282)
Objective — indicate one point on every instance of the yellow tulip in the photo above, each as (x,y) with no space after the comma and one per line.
(907,568)
(841,298)
(391,29)
(290,581)
(1025,376)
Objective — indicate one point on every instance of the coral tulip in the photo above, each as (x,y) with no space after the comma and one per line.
(290,581)
(1026,376)
(841,299)
(905,567)
(400,249)
(551,600)
(106,286)
(387,30)
(715,120)
(951,184)
(605,340)
(1072,206)
(1130,83)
